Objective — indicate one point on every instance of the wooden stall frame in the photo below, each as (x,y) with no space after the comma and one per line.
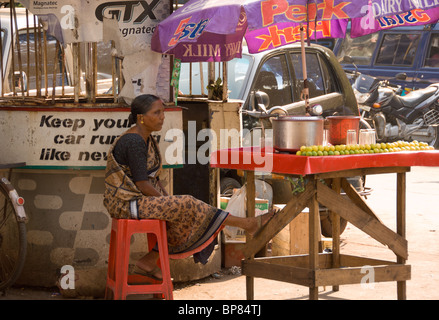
(315,269)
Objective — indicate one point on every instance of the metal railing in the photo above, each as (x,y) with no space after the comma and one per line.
(35,66)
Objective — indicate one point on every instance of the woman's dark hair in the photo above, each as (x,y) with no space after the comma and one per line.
(141,105)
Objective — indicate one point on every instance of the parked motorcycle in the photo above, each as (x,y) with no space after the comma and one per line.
(414,116)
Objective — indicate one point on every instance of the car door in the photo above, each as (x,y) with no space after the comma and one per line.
(280,76)
(273,77)
(398,52)
(429,69)
(324,87)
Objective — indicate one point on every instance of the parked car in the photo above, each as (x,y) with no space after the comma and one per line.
(278,73)
(39,57)
(410,50)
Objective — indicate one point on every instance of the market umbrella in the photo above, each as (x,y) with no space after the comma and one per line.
(203,30)
(212,30)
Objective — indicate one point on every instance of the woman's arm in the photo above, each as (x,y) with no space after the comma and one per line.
(147,188)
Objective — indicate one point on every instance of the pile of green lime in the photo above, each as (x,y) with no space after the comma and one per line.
(340,150)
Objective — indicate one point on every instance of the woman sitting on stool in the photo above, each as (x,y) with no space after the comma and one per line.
(133,191)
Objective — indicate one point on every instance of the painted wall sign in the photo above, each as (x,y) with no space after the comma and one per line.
(82,20)
(73,138)
(130,24)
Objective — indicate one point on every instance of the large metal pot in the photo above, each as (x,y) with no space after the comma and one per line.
(338,127)
(292,132)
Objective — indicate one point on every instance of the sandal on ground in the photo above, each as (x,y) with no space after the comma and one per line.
(149,274)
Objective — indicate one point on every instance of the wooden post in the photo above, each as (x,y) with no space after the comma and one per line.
(314,234)
(211,78)
(400,226)
(76,71)
(250,213)
(335,219)
(225,84)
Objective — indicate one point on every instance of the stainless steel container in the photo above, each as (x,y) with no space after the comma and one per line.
(292,132)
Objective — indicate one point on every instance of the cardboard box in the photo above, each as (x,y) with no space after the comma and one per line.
(261,205)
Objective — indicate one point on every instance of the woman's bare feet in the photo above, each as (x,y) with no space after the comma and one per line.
(254,224)
(251,225)
(148,265)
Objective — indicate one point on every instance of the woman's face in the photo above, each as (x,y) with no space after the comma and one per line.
(154,118)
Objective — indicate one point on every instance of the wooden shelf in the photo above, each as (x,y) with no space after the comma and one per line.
(295,269)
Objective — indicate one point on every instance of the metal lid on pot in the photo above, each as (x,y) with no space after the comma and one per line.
(343,117)
(298,118)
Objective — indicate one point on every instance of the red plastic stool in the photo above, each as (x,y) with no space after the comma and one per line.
(118,279)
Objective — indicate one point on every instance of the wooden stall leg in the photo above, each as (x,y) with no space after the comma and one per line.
(314,235)
(335,219)
(250,213)
(250,287)
(401,226)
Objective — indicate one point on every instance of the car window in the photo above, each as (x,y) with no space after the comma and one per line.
(194,77)
(359,49)
(319,75)
(3,37)
(329,80)
(28,64)
(432,59)
(274,79)
(398,49)
(237,74)
(104,62)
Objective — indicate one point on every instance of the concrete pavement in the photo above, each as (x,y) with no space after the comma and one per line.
(423,241)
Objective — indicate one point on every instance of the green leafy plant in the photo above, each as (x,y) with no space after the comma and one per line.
(297,184)
(217,89)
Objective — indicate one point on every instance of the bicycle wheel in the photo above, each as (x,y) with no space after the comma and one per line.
(12,235)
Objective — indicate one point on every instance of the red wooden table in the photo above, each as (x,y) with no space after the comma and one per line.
(325,177)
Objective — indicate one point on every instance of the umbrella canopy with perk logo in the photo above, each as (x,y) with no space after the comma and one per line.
(212,30)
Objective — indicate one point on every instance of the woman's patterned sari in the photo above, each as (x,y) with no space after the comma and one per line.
(190,222)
